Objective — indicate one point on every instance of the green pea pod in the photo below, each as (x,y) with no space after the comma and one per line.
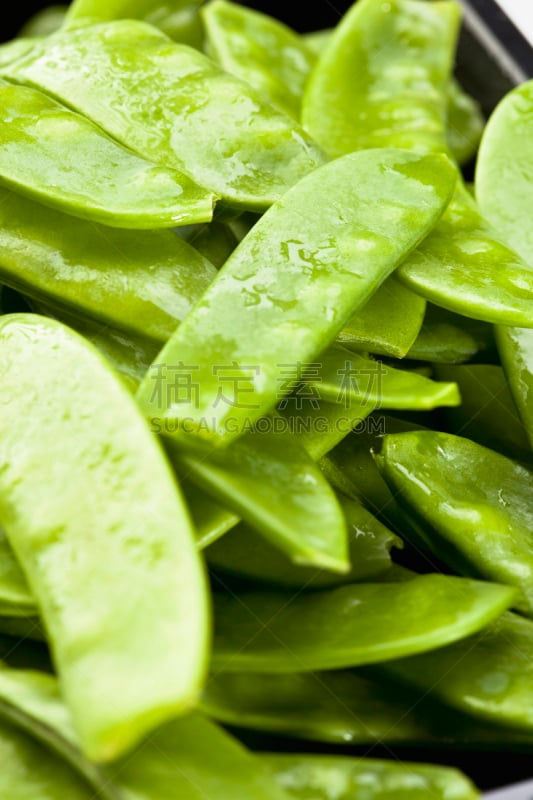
(59,158)
(44,22)
(317,777)
(278,632)
(462,267)
(260,50)
(515,346)
(141,282)
(464,123)
(345,377)
(16,598)
(215,241)
(344,708)
(487,414)
(251,478)
(185,113)
(28,773)
(94,512)
(187,759)
(388,324)
(11,51)
(316,41)
(243,554)
(86,12)
(475,504)
(292,283)
(447,338)
(383,96)
(487,675)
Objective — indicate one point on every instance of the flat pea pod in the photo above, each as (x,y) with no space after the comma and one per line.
(487,675)
(62,160)
(379,96)
(97,515)
(184,112)
(10,51)
(487,414)
(290,286)
(187,759)
(345,377)
(474,504)
(464,123)
(142,282)
(44,22)
(277,632)
(344,708)
(515,346)
(251,477)
(28,773)
(318,777)
(447,338)
(260,50)
(317,40)
(243,554)
(502,181)
(463,267)
(388,324)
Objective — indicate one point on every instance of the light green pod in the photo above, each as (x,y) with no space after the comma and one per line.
(346,377)
(447,338)
(488,675)
(44,22)
(61,159)
(141,282)
(474,505)
(363,94)
(388,324)
(261,50)
(279,632)
(464,123)
(293,282)
(515,346)
(174,106)
(246,555)
(109,558)
(317,777)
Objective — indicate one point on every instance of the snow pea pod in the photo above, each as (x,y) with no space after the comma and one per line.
(515,346)
(316,777)
(44,22)
(10,51)
(346,376)
(142,282)
(474,504)
(464,123)
(277,632)
(251,477)
(187,759)
(260,50)
(292,283)
(447,338)
(244,554)
(94,511)
(463,267)
(487,675)
(61,159)
(343,707)
(388,324)
(173,105)
(379,96)
(28,773)
(487,414)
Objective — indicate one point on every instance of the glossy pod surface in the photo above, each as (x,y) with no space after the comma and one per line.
(277,632)
(110,560)
(62,160)
(142,282)
(474,504)
(290,286)
(173,106)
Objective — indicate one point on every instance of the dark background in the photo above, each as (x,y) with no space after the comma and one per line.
(322,14)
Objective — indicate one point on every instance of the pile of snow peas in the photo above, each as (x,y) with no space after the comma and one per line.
(266,368)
